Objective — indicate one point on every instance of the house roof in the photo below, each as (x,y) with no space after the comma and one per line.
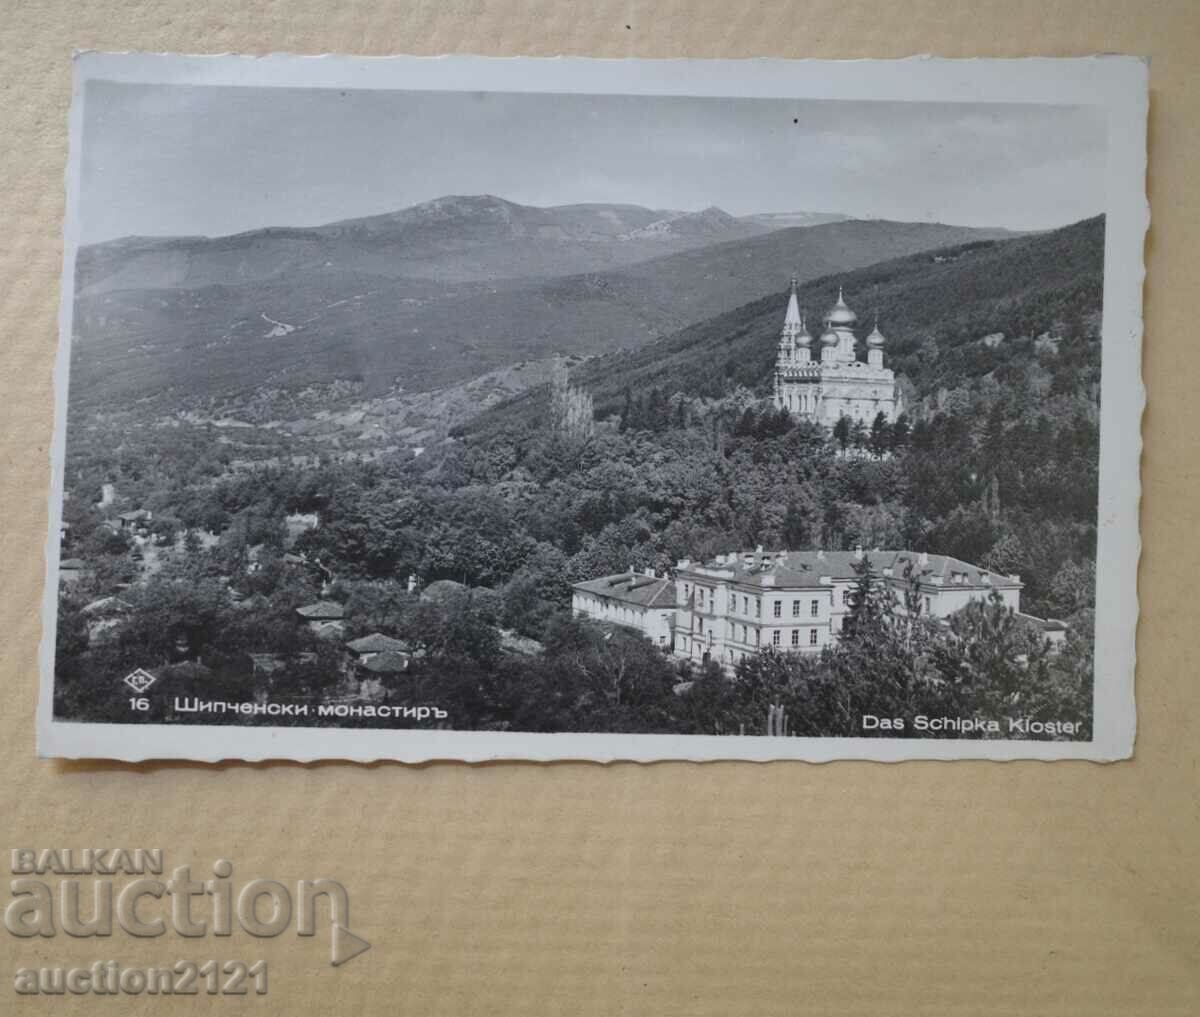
(632,588)
(376,642)
(511,642)
(1044,624)
(791,569)
(442,590)
(134,515)
(72,563)
(387,662)
(112,603)
(322,610)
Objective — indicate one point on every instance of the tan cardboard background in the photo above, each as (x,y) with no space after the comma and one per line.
(856,889)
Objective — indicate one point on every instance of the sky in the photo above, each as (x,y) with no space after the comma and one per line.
(185,160)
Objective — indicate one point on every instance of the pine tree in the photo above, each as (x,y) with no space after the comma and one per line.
(796,527)
(656,411)
(627,410)
(881,434)
(869,601)
(841,432)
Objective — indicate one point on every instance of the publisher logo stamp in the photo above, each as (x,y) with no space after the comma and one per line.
(139,680)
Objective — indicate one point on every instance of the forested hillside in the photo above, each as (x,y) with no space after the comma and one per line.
(934,308)
(996,460)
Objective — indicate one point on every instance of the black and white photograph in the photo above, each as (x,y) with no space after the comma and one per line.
(542,409)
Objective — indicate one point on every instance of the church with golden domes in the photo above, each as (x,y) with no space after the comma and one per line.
(823,380)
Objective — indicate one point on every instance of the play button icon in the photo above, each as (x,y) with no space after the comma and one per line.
(345,946)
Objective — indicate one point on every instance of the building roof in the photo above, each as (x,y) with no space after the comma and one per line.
(443,590)
(134,516)
(1044,624)
(839,313)
(511,642)
(792,317)
(112,603)
(802,569)
(322,610)
(632,588)
(376,642)
(72,563)
(387,662)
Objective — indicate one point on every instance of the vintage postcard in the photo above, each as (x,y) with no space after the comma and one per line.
(465,408)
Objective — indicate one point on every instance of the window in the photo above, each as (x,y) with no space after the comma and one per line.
(795,637)
(757,637)
(929,605)
(815,608)
(778,609)
(743,633)
(846,597)
(757,607)
(812,637)
(745,605)
(775,638)
(795,609)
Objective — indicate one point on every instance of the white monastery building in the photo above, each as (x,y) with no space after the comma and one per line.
(796,601)
(793,601)
(638,600)
(823,380)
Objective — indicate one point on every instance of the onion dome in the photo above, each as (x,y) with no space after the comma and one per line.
(876,337)
(803,339)
(830,339)
(839,313)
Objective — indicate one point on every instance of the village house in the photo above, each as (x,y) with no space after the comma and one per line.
(269,663)
(387,662)
(135,521)
(326,618)
(366,647)
(104,617)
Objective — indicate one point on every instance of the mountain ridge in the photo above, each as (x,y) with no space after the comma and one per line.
(455,238)
(358,326)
